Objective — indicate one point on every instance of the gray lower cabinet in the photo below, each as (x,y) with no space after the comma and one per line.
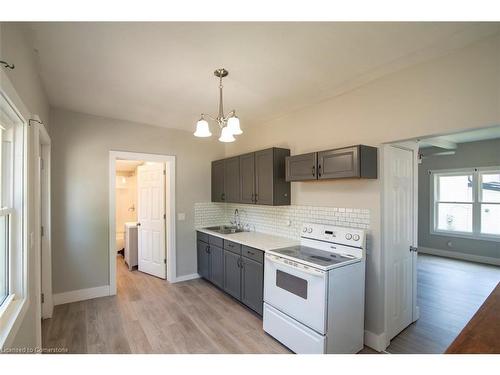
(252,277)
(218,194)
(232,180)
(203,259)
(232,274)
(301,167)
(216,266)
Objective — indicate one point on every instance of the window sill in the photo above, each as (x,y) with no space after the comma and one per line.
(471,236)
(11,318)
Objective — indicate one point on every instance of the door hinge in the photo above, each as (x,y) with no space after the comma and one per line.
(41,231)
(165,261)
(41,163)
(413,248)
(165,216)
(164,172)
(43,298)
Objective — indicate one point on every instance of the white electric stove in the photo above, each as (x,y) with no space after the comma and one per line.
(314,292)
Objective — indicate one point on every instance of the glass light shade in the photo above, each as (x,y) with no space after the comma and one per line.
(233,123)
(226,135)
(202,129)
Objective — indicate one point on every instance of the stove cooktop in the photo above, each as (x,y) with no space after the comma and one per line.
(320,258)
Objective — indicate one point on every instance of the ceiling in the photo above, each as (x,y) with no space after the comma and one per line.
(451,140)
(162,73)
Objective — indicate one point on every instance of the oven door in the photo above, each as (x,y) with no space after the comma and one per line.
(296,290)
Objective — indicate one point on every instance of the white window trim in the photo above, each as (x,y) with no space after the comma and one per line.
(476,204)
(16,305)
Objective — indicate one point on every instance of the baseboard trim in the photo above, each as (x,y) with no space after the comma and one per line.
(80,295)
(461,256)
(376,342)
(193,276)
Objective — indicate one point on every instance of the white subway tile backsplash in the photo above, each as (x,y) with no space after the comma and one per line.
(285,221)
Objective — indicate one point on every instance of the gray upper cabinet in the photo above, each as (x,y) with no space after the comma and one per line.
(218,181)
(232,180)
(301,167)
(350,162)
(247,178)
(257,177)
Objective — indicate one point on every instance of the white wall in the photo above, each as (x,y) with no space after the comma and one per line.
(455,92)
(80,152)
(126,198)
(16,49)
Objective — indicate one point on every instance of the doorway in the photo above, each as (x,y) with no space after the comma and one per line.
(441,197)
(142,214)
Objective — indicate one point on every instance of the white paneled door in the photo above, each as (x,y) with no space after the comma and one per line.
(400,237)
(151,216)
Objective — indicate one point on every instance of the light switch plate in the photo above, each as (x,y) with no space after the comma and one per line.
(181,216)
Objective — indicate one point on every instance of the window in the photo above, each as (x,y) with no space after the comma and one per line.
(466,202)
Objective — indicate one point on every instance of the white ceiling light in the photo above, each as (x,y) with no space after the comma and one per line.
(229,125)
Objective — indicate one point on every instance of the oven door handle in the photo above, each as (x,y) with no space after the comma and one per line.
(301,268)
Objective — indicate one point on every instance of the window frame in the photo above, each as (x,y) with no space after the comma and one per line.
(15,306)
(476,202)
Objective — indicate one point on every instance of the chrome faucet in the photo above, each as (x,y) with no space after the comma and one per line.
(237,220)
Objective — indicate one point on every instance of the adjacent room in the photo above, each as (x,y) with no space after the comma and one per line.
(250,187)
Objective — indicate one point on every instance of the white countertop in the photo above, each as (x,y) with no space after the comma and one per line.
(261,241)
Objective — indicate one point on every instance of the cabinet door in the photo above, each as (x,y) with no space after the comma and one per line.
(203,260)
(252,277)
(218,181)
(247,178)
(340,163)
(301,167)
(232,274)
(264,178)
(217,266)
(232,180)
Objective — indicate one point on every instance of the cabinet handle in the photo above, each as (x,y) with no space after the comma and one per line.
(207,249)
(319,170)
(238,263)
(250,252)
(223,197)
(314,170)
(256,197)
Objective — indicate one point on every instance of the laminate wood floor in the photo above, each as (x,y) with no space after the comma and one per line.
(449,292)
(150,315)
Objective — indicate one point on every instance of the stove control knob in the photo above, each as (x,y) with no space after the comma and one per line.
(309,230)
(355,237)
(304,230)
(348,236)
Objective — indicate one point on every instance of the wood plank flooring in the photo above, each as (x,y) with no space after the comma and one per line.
(449,293)
(149,315)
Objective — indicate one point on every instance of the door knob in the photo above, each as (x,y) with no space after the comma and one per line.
(138,224)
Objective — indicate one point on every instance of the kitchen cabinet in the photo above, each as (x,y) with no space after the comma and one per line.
(247,178)
(210,258)
(218,181)
(252,283)
(232,180)
(203,259)
(301,167)
(236,269)
(232,274)
(357,161)
(349,162)
(216,255)
(254,178)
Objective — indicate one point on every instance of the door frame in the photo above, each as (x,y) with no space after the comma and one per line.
(170,242)
(385,228)
(42,209)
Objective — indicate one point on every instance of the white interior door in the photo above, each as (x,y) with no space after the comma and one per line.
(151,217)
(400,220)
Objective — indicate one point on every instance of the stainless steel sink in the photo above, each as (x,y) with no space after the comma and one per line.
(225,229)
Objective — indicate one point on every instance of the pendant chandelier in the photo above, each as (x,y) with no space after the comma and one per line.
(229,125)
